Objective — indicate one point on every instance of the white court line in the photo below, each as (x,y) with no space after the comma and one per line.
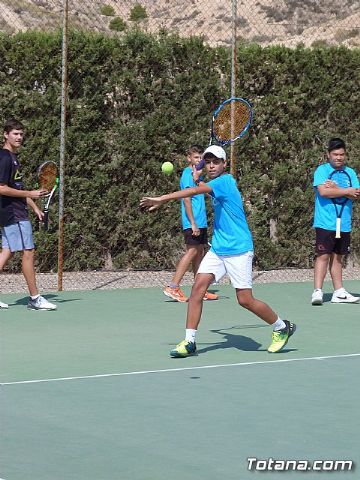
(167,370)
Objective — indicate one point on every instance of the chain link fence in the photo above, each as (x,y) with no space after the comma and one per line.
(225,24)
(265,22)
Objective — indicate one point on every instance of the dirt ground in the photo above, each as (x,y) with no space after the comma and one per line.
(103,280)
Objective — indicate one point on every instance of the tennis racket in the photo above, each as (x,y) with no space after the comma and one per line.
(48,180)
(342,180)
(231,120)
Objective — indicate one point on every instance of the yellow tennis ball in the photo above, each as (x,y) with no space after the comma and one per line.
(167,168)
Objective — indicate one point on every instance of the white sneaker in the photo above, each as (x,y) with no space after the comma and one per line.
(317,297)
(4,305)
(342,296)
(40,303)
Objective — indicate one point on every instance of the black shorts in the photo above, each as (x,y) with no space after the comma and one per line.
(201,239)
(327,243)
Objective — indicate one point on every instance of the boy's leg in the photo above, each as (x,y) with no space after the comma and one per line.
(259,308)
(282,329)
(202,282)
(200,251)
(36,302)
(19,238)
(320,269)
(188,346)
(325,244)
(5,256)
(336,270)
(192,251)
(173,289)
(28,270)
(195,264)
(239,269)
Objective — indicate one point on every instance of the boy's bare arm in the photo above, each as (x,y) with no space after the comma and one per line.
(13,192)
(190,215)
(152,203)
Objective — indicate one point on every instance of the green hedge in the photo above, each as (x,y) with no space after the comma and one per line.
(138,100)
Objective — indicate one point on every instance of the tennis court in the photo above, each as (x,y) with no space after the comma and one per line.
(90,392)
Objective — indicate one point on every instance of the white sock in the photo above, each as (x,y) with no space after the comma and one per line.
(34,297)
(339,290)
(190,335)
(278,325)
(318,290)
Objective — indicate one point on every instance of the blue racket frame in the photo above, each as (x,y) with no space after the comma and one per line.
(222,143)
(243,131)
(340,201)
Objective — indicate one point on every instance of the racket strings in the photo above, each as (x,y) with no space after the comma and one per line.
(342,180)
(47,177)
(224,129)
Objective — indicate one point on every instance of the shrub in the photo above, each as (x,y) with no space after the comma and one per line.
(138,13)
(107,10)
(117,24)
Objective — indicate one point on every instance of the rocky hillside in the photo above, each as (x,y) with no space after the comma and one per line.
(266,22)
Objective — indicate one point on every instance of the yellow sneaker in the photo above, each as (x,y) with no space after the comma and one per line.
(281,337)
(183,349)
(175,293)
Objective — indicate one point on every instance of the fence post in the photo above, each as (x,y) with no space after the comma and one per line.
(233,83)
(64,83)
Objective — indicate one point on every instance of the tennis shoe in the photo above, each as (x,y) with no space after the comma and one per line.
(342,296)
(40,303)
(176,294)
(317,297)
(281,337)
(4,305)
(210,296)
(183,349)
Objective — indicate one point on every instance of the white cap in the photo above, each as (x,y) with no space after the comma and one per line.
(215,150)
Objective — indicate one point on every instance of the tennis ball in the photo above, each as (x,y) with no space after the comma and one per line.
(167,168)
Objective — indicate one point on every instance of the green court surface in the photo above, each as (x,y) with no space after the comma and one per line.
(90,392)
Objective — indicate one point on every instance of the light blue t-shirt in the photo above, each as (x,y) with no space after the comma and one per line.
(325,212)
(231,234)
(197,202)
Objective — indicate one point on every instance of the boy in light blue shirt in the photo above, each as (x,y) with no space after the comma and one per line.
(231,252)
(194,224)
(329,249)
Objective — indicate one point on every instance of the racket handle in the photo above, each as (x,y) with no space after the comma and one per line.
(200,165)
(338,228)
(46,220)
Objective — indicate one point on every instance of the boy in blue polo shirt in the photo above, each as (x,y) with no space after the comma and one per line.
(194,224)
(231,252)
(329,249)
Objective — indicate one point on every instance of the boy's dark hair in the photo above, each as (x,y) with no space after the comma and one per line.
(195,148)
(13,124)
(335,144)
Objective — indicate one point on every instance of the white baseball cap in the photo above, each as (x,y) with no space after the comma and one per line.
(217,151)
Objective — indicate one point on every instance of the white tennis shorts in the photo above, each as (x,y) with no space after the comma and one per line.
(238,267)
